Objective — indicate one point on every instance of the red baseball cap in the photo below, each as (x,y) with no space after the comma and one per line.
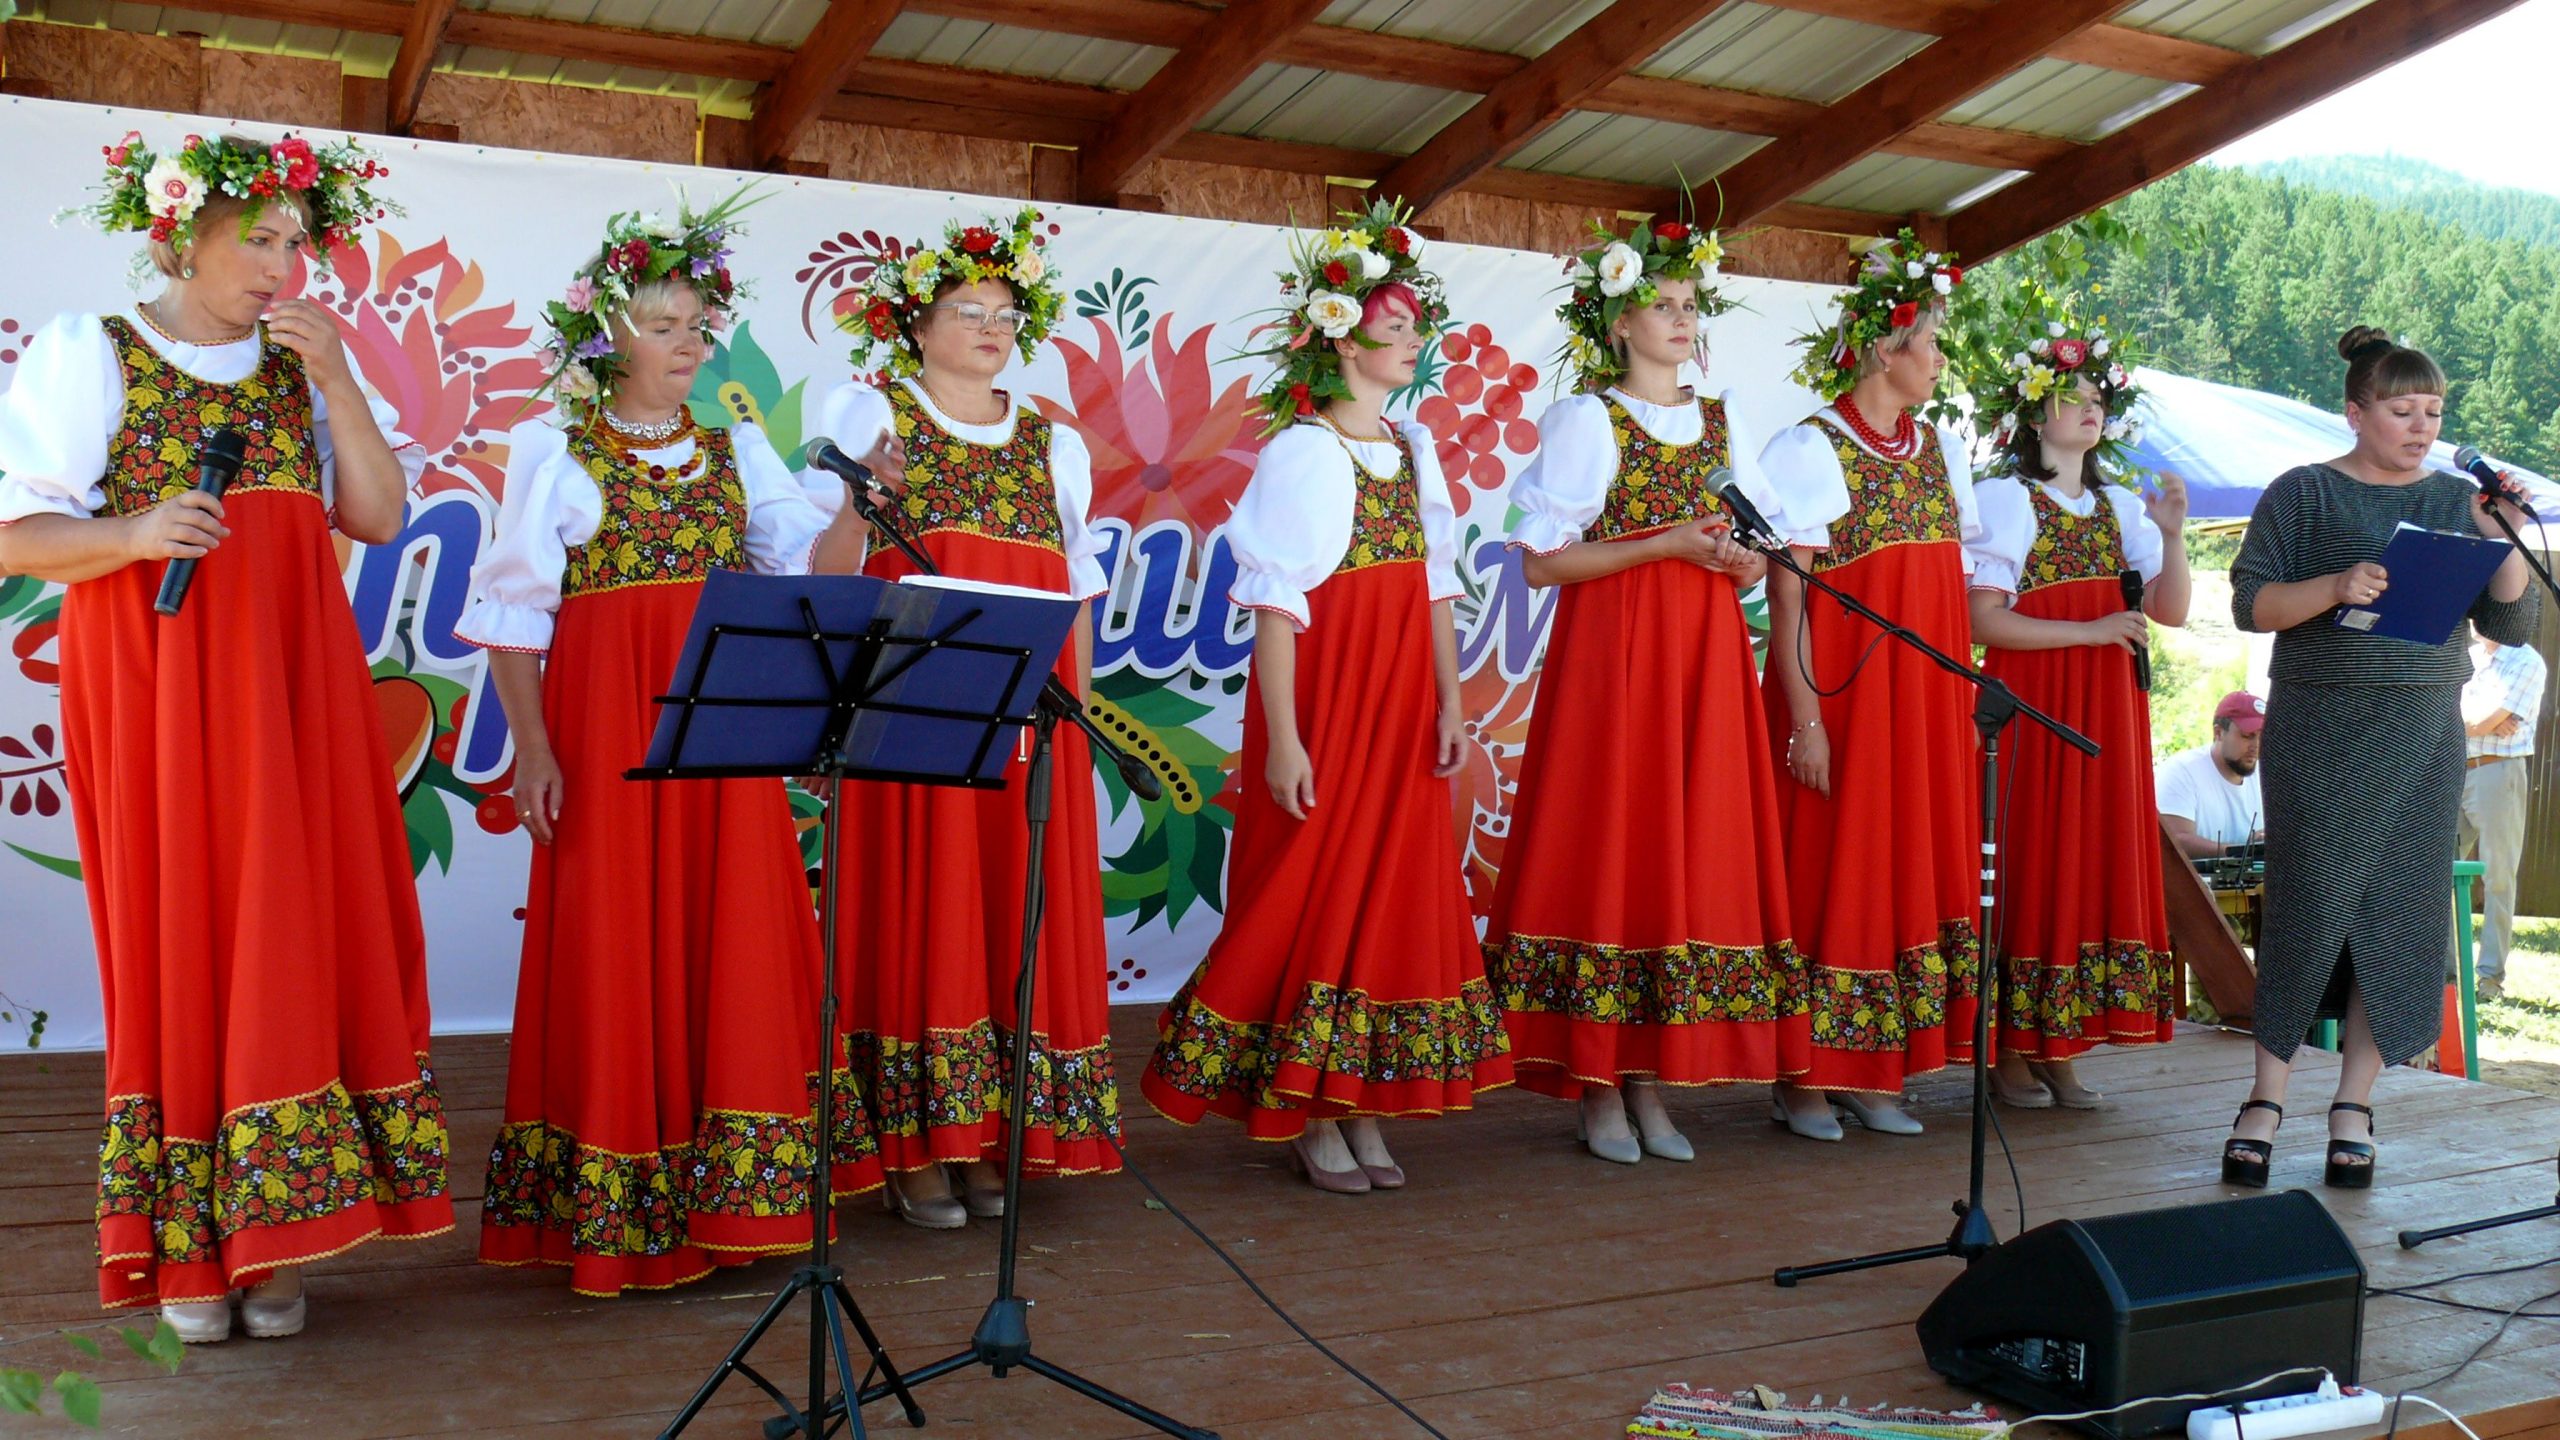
(2246,712)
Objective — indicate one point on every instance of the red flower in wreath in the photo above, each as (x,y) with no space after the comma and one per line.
(1397,240)
(978,240)
(1906,315)
(1670,230)
(1298,395)
(2070,354)
(1337,273)
(630,255)
(301,167)
(883,322)
(1954,274)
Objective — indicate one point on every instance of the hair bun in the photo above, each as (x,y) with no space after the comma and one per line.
(2362,340)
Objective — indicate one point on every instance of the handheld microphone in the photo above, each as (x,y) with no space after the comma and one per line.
(217,465)
(1753,527)
(2495,483)
(2131,582)
(823,453)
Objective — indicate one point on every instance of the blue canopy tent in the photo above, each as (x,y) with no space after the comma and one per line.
(2228,443)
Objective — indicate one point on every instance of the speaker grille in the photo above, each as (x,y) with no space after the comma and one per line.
(2161,1255)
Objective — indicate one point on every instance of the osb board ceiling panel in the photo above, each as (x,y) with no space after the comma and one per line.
(1521,27)
(1624,147)
(1782,52)
(561,118)
(275,89)
(2056,97)
(1038,54)
(2252,25)
(1898,184)
(363,54)
(1317,107)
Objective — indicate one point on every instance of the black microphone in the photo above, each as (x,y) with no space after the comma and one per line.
(217,465)
(1754,527)
(823,453)
(2131,580)
(2495,483)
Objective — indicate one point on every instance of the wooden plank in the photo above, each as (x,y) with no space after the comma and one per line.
(842,37)
(1515,111)
(2202,939)
(2327,60)
(1973,57)
(1188,87)
(419,41)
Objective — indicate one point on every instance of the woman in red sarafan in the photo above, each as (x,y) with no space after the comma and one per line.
(1640,934)
(931,916)
(269,1101)
(1883,814)
(2084,931)
(1346,984)
(662,1084)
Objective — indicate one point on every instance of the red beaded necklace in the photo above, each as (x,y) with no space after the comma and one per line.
(1902,445)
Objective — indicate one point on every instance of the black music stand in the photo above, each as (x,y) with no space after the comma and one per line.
(843,677)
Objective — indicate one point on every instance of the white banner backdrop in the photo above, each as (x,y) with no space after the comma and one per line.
(439,310)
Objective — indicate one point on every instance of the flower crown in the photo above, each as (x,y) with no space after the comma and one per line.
(1897,285)
(1613,275)
(1330,277)
(161,194)
(638,250)
(883,317)
(2054,362)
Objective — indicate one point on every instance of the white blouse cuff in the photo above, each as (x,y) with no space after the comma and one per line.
(1992,573)
(1262,590)
(493,625)
(1543,534)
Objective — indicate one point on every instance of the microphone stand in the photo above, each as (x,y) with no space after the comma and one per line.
(2532,561)
(1995,705)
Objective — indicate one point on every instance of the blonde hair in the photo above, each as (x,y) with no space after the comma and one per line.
(220,209)
(1871,359)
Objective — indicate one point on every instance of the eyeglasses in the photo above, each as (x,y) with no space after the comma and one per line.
(979,317)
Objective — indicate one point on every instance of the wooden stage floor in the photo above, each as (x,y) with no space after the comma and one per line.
(1515,1288)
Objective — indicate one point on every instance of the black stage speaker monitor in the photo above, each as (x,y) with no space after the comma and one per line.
(2087,1314)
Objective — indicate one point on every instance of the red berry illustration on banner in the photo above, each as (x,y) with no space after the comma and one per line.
(497,814)
(1477,416)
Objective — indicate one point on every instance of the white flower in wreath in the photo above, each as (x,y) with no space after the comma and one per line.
(2039,345)
(2116,376)
(2117,428)
(1332,312)
(1373,266)
(1619,269)
(169,190)
(2021,361)
(2098,348)
(1914,269)
(2056,329)
(1941,283)
(662,227)
(1029,267)
(577,383)
(2008,427)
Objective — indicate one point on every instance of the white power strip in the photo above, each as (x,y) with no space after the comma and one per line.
(2327,1408)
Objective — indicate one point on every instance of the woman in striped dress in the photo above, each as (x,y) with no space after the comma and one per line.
(2363,753)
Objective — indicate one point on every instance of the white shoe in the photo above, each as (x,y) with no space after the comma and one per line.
(199,1322)
(1881,1113)
(1821,1125)
(275,1308)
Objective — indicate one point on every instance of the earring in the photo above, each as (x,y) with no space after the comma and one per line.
(186,272)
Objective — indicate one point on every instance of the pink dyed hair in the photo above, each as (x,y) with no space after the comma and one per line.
(1396,292)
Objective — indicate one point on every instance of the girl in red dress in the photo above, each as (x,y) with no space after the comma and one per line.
(931,920)
(2084,932)
(1640,935)
(1346,984)
(1884,813)
(662,1085)
(269,1101)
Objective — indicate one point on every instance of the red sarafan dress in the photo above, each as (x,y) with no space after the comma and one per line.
(930,931)
(2084,928)
(1885,871)
(1640,928)
(1347,979)
(269,1100)
(662,1086)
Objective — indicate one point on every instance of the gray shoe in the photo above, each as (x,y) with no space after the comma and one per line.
(1621,1150)
(1821,1126)
(1881,1113)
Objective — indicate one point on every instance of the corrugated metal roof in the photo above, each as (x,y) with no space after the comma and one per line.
(1898,184)
(1783,52)
(1626,147)
(2256,26)
(977,45)
(2056,97)
(1522,27)
(1317,107)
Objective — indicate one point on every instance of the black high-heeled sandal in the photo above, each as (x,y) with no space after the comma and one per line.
(2350,1164)
(2244,1162)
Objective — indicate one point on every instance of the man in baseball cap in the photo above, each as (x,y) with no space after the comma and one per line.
(2209,795)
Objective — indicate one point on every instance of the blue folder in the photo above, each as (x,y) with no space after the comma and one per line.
(2434,576)
(750,694)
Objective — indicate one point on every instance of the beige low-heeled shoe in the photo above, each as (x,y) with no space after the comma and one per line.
(275,1307)
(199,1322)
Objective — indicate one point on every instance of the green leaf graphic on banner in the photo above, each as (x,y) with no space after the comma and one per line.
(1178,858)
(738,384)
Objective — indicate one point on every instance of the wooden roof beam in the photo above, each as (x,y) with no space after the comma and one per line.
(419,40)
(1563,77)
(1995,43)
(2327,60)
(2108,47)
(1190,85)
(839,41)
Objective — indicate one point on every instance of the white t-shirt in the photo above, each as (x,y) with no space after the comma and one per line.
(2192,785)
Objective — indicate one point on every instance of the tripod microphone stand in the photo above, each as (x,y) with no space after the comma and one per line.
(1002,1340)
(1995,706)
